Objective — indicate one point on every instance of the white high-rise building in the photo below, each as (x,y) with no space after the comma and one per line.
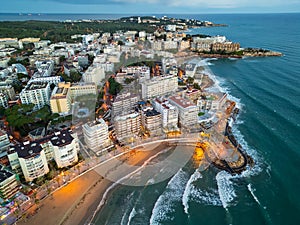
(188,112)
(95,74)
(37,94)
(96,135)
(169,113)
(30,158)
(65,148)
(159,86)
(4,143)
(124,103)
(127,125)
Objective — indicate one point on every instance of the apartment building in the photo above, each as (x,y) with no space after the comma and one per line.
(188,112)
(96,135)
(159,86)
(9,185)
(124,103)
(4,143)
(127,125)
(152,121)
(169,113)
(211,101)
(60,101)
(65,148)
(36,93)
(95,74)
(29,158)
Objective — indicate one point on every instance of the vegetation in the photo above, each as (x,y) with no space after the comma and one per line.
(128,80)
(22,118)
(201,113)
(62,31)
(190,80)
(114,86)
(74,77)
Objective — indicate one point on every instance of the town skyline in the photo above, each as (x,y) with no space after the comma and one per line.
(149,6)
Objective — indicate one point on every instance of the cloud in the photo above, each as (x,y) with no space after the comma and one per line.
(185,3)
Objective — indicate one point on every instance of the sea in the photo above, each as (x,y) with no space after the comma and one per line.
(268,127)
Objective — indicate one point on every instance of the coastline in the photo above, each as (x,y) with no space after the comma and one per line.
(75,203)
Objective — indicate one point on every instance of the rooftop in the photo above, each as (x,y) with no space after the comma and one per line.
(36,85)
(182,102)
(4,174)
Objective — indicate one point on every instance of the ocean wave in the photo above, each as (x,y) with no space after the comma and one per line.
(188,189)
(173,193)
(251,190)
(131,215)
(225,188)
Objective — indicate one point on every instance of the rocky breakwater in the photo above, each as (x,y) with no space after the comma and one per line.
(255,52)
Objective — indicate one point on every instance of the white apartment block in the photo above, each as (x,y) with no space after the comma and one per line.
(8,90)
(169,113)
(4,143)
(95,74)
(188,112)
(30,158)
(128,125)
(96,135)
(36,93)
(124,103)
(152,121)
(45,68)
(65,148)
(211,101)
(9,185)
(3,99)
(41,79)
(159,86)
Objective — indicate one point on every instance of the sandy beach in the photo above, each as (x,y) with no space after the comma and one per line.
(75,203)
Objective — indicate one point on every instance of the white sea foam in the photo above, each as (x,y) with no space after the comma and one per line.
(252,190)
(131,215)
(188,189)
(207,197)
(173,193)
(225,188)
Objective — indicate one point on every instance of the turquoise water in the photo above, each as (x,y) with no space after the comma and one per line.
(268,128)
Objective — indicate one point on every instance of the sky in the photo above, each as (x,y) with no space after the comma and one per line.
(149,6)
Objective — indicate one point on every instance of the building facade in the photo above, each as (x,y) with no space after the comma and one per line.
(188,112)
(169,113)
(96,135)
(127,125)
(36,93)
(159,86)
(124,103)
(9,185)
